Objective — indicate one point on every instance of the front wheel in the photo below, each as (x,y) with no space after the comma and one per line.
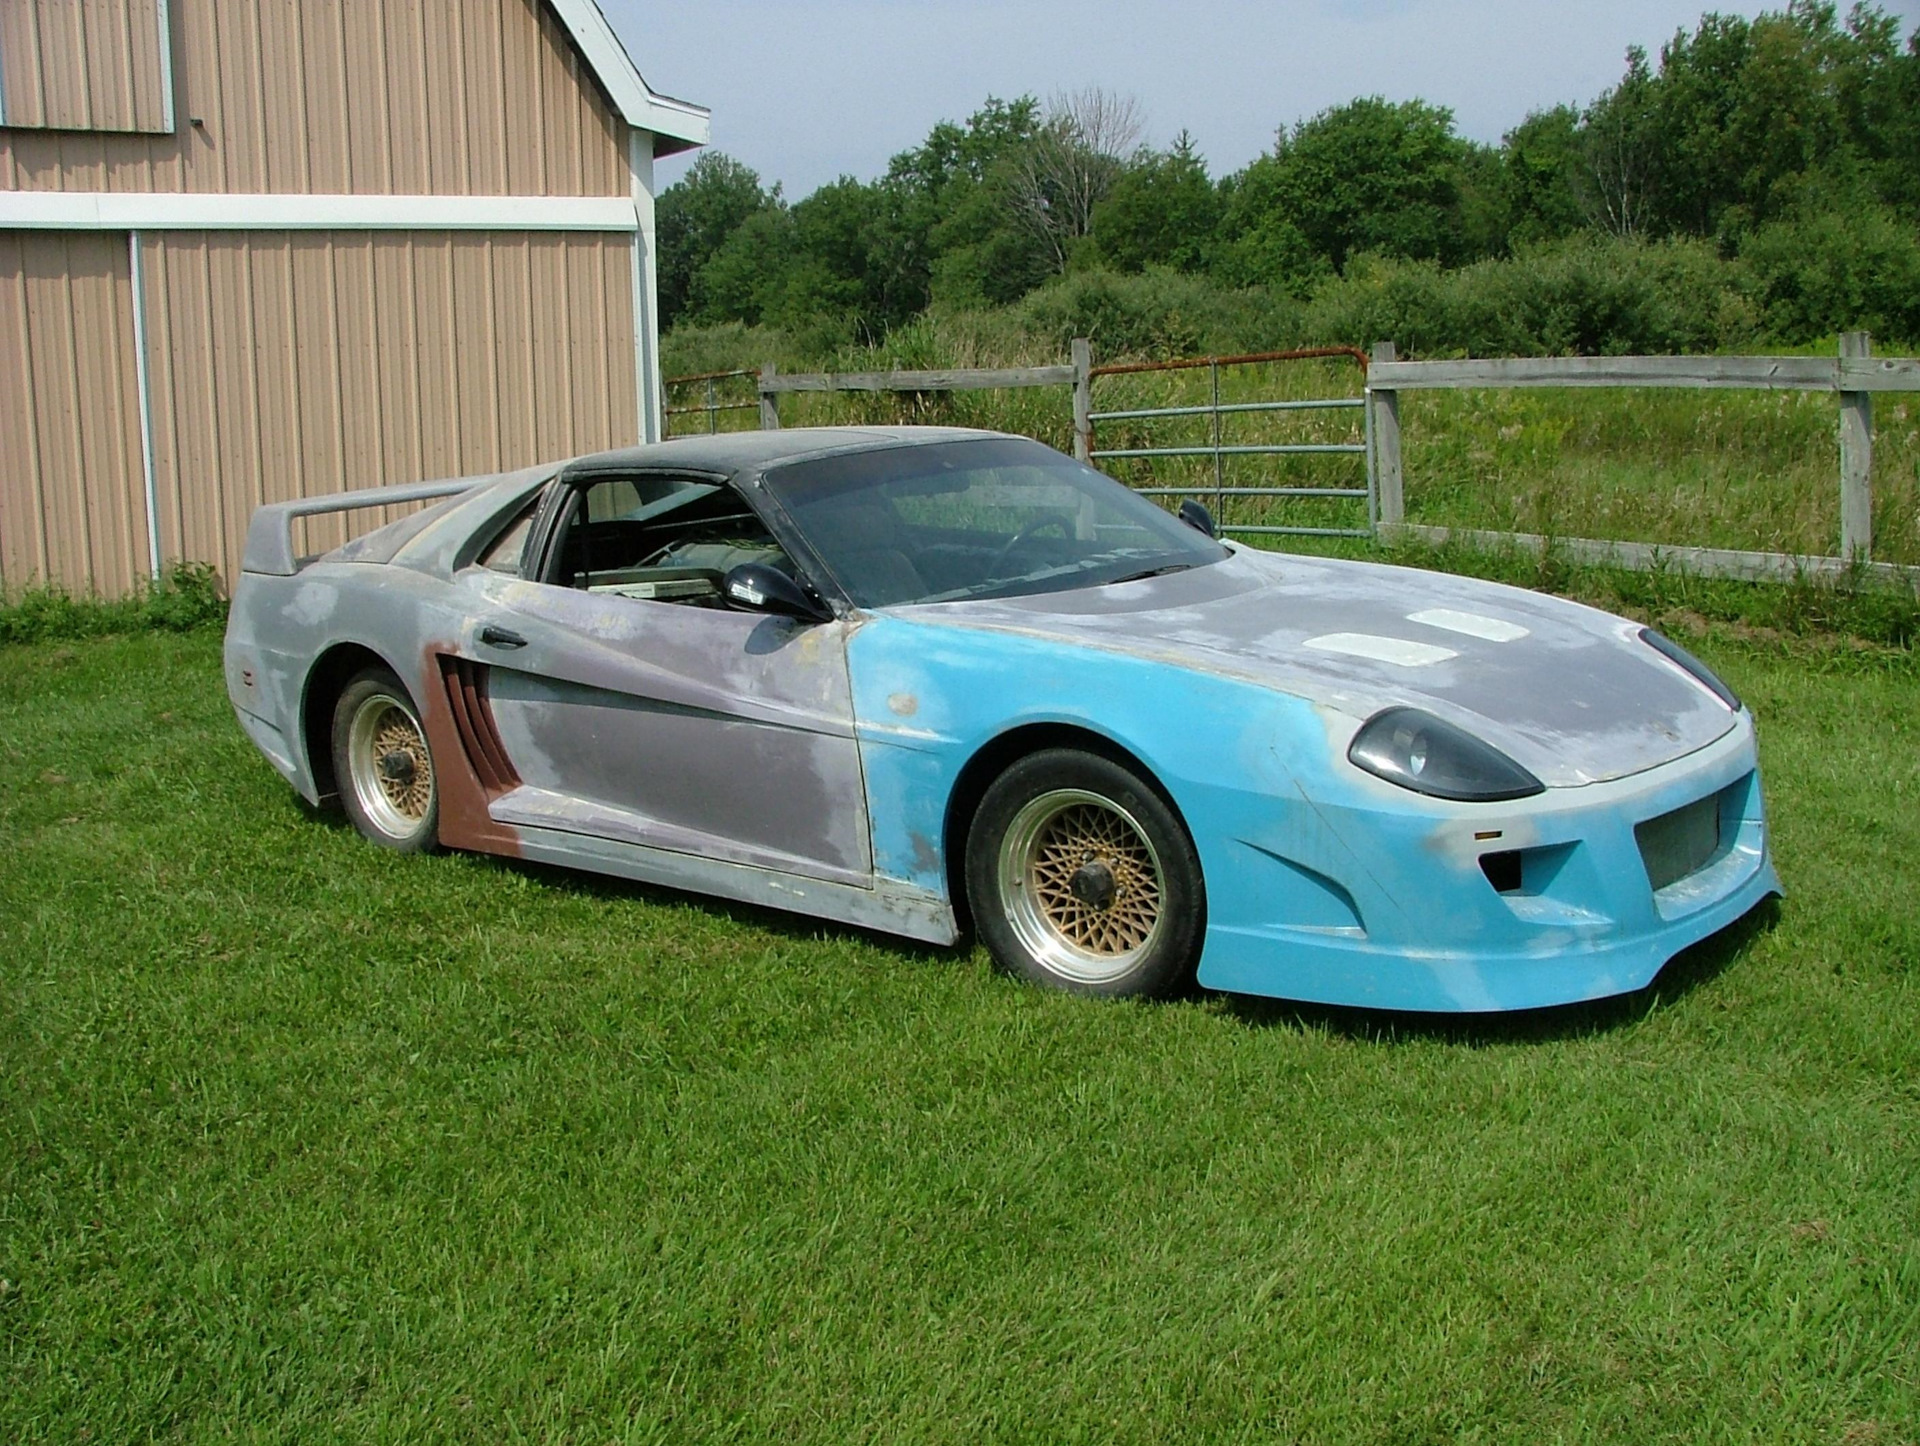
(1081,877)
(383,766)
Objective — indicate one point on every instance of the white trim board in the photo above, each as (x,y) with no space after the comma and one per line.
(680,124)
(182,211)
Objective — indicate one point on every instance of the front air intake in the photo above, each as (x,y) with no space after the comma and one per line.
(1680,843)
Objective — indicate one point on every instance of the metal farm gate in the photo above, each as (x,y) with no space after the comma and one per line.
(1217,449)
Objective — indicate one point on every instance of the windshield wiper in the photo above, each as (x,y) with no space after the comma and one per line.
(1151,572)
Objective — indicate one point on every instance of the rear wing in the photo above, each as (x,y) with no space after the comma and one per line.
(270,534)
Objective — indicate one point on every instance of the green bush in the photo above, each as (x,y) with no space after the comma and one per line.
(186,598)
(1838,272)
(1158,314)
(1583,296)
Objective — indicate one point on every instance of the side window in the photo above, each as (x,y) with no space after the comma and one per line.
(660,540)
(504,553)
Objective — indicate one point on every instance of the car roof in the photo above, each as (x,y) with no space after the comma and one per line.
(727,453)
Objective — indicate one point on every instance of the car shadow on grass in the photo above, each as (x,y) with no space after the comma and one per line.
(787,925)
(1698,965)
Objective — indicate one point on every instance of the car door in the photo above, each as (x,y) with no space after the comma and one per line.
(642,710)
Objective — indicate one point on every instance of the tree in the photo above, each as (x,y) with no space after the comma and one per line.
(1071,164)
(1539,180)
(959,236)
(695,216)
(1163,211)
(1371,175)
(1620,153)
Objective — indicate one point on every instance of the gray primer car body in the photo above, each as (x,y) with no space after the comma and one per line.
(814,766)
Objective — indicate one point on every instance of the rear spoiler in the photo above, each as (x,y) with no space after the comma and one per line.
(270,533)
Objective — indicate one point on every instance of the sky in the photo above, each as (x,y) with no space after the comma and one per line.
(805,91)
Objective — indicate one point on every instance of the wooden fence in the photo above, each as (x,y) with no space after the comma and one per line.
(1076,374)
(1855,374)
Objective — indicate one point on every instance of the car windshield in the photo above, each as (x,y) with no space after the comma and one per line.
(994,517)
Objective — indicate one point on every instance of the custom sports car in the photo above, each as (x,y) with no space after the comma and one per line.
(916,678)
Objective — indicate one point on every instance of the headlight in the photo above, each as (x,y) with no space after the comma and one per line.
(1429,755)
(1668,648)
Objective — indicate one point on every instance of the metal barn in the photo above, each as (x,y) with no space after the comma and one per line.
(253,250)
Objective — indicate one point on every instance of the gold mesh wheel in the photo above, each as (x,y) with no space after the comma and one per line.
(1081,885)
(390,767)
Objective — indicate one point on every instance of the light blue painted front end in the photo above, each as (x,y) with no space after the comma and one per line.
(1323,883)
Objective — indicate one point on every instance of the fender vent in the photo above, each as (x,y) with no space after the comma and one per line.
(473,720)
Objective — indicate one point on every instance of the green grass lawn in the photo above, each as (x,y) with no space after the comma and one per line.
(301,1141)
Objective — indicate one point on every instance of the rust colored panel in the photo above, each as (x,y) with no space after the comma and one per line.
(466,685)
(464,820)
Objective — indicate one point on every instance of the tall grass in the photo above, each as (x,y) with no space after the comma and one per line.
(186,598)
(1747,470)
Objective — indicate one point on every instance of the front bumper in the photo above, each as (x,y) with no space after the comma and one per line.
(1382,901)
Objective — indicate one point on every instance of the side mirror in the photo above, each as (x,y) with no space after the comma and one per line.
(759,587)
(1196,516)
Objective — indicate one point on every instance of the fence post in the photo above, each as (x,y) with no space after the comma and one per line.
(1385,405)
(769,406)
(1856,459)
(1082,399)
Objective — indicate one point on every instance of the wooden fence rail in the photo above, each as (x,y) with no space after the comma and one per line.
(1855,374)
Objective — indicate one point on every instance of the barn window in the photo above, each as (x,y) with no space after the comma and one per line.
(86,65)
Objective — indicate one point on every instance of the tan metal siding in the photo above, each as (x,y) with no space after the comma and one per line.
(83,64)
(288,364)
(440,97)
(72,494)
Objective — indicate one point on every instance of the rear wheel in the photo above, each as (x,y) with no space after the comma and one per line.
(382,764)
(1081,877)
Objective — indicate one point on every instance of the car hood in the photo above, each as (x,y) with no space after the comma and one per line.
(1569,692)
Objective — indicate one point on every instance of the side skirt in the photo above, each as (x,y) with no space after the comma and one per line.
(889,906)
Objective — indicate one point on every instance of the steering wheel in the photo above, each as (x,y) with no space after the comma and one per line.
(1037,526)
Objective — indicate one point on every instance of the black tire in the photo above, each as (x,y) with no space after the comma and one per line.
(1081,877)
(382,765)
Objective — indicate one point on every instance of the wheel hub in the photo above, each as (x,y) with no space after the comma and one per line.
(398,766)
(1094,885)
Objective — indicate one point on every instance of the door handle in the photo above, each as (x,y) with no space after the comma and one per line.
(495,637)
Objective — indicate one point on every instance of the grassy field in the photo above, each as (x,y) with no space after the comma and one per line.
(1749,470)
(303,1141)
